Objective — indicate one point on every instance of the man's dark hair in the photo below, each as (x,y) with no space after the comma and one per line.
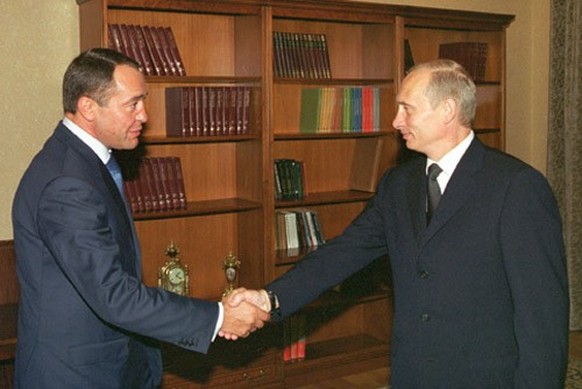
(91,74)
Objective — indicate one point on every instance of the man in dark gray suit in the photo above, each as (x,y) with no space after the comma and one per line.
(480,291)
(85,318)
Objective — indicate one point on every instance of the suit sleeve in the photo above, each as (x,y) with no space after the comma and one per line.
(90,247)
(533,252)
(360,244)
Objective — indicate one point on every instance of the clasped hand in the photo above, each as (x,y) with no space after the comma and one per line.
(245,311)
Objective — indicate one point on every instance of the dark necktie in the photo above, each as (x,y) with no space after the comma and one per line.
(433,190)
(115,171)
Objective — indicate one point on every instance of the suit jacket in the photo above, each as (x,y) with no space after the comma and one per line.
(85,318)
(480,295)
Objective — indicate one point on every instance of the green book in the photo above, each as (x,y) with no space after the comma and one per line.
(310,108)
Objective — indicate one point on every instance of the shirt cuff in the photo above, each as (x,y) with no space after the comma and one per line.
(219,320)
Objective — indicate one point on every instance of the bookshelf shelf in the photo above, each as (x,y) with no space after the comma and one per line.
(164,140)
(331,197)
(229,180)
(334,81)
(184,80)
(332,135)
(199,208)
(333,356)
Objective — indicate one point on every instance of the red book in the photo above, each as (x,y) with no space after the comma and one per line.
(165,181)
(205,123)
(246,101)
(177,183)
(294,337)
(196,110)
(219,111)
(181,71)
(301,337)
(180,182)
(211,110)
(231,110)
(128,189)
(114,37)
(145,54)
(125,46)
(135,49)
(191,111)
(286,342)
(177,111)
(172,184)
(166,51)
(153,51)
(146,188)
(238,114)
(159,195)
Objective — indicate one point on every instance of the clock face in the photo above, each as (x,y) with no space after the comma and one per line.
(176,276)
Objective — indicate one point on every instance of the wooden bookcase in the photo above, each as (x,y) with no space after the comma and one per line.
(229,180)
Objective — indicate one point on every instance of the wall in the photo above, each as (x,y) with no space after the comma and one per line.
(37,41)
(39,38)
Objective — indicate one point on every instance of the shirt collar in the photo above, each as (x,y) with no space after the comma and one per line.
(451,159)
(98,148)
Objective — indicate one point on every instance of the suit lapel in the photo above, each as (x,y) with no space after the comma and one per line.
(460,189)
(95,164)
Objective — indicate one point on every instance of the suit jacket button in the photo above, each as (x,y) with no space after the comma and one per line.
(423,274)
(425,317)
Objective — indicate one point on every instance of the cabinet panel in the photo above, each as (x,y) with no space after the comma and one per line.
(229,180)
(424,44)
(203,241)
(210,44)
(356,50)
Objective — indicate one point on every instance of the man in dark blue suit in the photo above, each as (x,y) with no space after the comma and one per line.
(85,318)
(480,291)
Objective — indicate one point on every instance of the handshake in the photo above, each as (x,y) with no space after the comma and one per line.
(245,311)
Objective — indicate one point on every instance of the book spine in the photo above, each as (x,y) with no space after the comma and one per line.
(204,110)
(181,71)
(176,110)
(159,195)
(324,55)
(166,52)
(162,164)
(114,37)
(172,183)
(158,49)
(196,105)
(212,111)
(135,49)
(180,182)
(145,54)
(154,55)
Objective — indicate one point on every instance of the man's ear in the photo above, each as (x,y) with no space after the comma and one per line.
(86,107)
(449,110)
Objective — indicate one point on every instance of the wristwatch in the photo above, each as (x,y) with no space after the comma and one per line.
(274,302)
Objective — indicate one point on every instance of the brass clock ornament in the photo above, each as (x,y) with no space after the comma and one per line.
(230,265)
(174,276)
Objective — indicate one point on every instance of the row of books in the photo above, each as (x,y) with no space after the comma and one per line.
(207,110)
(300,55)
(471,55)
(297,229)
(154,184)
(340,109)
(154,47)
(289,179)
(294,330)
